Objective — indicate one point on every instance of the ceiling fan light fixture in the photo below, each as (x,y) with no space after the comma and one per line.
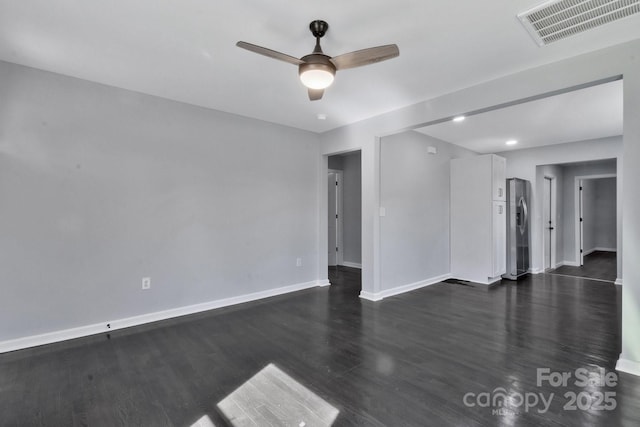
(317,70)
(316,76)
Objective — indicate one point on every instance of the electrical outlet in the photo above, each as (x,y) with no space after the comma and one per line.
(299,262)
(146,283)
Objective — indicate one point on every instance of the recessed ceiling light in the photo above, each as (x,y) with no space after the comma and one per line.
(322,116)
(458,119)
(511,142)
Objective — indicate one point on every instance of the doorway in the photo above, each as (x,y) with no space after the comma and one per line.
(596,220)
(344,218)
(579,229)
(588,234)
(597,216)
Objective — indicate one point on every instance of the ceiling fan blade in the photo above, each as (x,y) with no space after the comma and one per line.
(270,53)
(315,94)
(365,56)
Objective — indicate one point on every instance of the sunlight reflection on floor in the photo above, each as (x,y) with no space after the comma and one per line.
(271,397)
(205,421)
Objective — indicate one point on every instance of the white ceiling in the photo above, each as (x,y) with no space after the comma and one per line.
(591,113)
(185,49)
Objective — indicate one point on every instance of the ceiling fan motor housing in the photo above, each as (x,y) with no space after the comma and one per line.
(317,61)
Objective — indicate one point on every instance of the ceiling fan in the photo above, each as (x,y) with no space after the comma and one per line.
(318,70)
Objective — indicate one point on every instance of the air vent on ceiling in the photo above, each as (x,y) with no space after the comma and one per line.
(558,19)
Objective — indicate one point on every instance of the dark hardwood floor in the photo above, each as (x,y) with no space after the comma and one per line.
(597,265)
(408,360)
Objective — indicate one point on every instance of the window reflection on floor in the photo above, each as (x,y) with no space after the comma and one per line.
(271,397)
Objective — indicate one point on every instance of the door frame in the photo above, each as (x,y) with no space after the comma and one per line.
(579,229)
(550,238)
(340,212)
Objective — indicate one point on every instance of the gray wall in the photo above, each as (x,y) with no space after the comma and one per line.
(335,162)
(570,172)
(352,208)
(102,186)
(605,205)
(414,190)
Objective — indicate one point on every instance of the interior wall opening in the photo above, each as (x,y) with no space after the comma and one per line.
(585,226)
(577,124)
(344,220)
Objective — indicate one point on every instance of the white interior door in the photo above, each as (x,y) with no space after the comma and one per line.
(332,218)
(548,223)
(581,226)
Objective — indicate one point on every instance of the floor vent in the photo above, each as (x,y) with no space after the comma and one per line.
(459,282)
(558,19)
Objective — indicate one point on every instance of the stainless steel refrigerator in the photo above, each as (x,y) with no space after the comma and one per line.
(518,237)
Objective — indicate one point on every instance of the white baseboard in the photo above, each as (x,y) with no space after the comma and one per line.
(600,249)
(569,263)
(370,296)
(402,289)
(322,283)
(629,366)
(536,270)
(112,325)
(492,280)
(352,264)
(618,281)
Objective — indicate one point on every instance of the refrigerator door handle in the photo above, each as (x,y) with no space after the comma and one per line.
(525,211)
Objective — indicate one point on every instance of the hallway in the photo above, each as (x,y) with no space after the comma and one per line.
(597,265)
